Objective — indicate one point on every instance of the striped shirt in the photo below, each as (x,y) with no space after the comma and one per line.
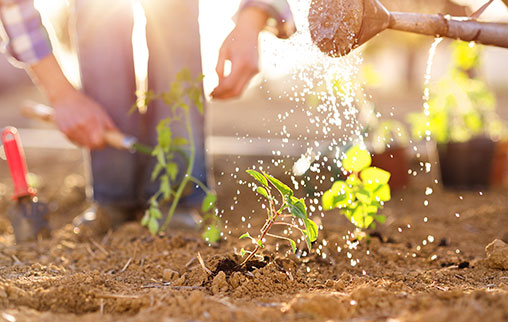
(26,40)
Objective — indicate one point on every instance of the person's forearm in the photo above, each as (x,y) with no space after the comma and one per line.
(253,17)
(280,20)
(48,75)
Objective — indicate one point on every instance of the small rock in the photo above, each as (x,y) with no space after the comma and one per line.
(497,254)
(169,275)
(219,283)
(235,280)
(180,281)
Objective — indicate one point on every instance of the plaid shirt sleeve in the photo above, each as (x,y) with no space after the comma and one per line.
(25,38)
(282,23)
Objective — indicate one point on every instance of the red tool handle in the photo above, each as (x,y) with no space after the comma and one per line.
(16,160)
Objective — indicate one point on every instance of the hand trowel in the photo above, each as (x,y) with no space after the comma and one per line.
(28,215)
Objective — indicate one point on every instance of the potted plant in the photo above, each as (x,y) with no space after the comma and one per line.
(388,141)
(460,116)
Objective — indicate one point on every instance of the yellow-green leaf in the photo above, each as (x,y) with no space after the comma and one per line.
(374,175)
(356,159)
(208,202)
(258,176)
(262,191)
(383,193)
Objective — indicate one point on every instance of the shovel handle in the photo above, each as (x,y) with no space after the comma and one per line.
(16,161)
(45,113)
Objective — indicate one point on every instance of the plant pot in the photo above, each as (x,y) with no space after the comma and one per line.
(395,161)
(497,175)
(477,163)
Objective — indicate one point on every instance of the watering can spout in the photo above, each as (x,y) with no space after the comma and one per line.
(339,26)
(376,18)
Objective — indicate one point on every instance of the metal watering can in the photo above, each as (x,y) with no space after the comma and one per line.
(339,26)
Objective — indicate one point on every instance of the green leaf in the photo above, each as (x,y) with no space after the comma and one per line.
(184,75)
(363,196)
(293,245)
(153,226)
(246,235)
(146,218)
(339,196)
(160,155)
(211,234)
(155,213)
(373,175)
(165,187)
(368,220)
(312,229)
(199,78)
(180,141)
(156,171)
(382,193)
(348,213)
(258,176)
(196,96)
(164,134)
(208,202)
(357,217)
(297,207)
(260,243)
(380,219)
(242,252)
(283,188)
(262,191)
(172,170)
(356,159)
(327,200)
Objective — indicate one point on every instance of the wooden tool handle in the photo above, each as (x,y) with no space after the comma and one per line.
(42,112)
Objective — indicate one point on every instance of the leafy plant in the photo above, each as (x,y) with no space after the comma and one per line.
(286,207)
(172,180)
(364,191)
(461,105)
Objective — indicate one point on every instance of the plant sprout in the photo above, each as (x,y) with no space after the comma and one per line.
(288,206)
(173,182)
(363,193)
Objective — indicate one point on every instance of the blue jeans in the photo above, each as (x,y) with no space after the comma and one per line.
(104,30)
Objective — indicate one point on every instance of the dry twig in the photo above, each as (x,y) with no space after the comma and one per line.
(99,246)
(126,265)
(202,263)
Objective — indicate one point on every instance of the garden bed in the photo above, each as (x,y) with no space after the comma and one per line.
(426,263)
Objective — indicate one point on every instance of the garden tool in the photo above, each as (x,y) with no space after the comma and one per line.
(114,139)
(28,214)
(339,26)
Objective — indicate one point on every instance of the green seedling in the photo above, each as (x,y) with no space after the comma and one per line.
(173,181)
(286,207)
(363,193)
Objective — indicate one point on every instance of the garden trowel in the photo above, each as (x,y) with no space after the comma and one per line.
(28,215)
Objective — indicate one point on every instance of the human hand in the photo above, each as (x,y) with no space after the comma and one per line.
(241,49)
(81,119)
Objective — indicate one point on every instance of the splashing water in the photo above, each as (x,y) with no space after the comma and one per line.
(324,96)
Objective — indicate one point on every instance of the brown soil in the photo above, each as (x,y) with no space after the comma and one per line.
(129,275)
